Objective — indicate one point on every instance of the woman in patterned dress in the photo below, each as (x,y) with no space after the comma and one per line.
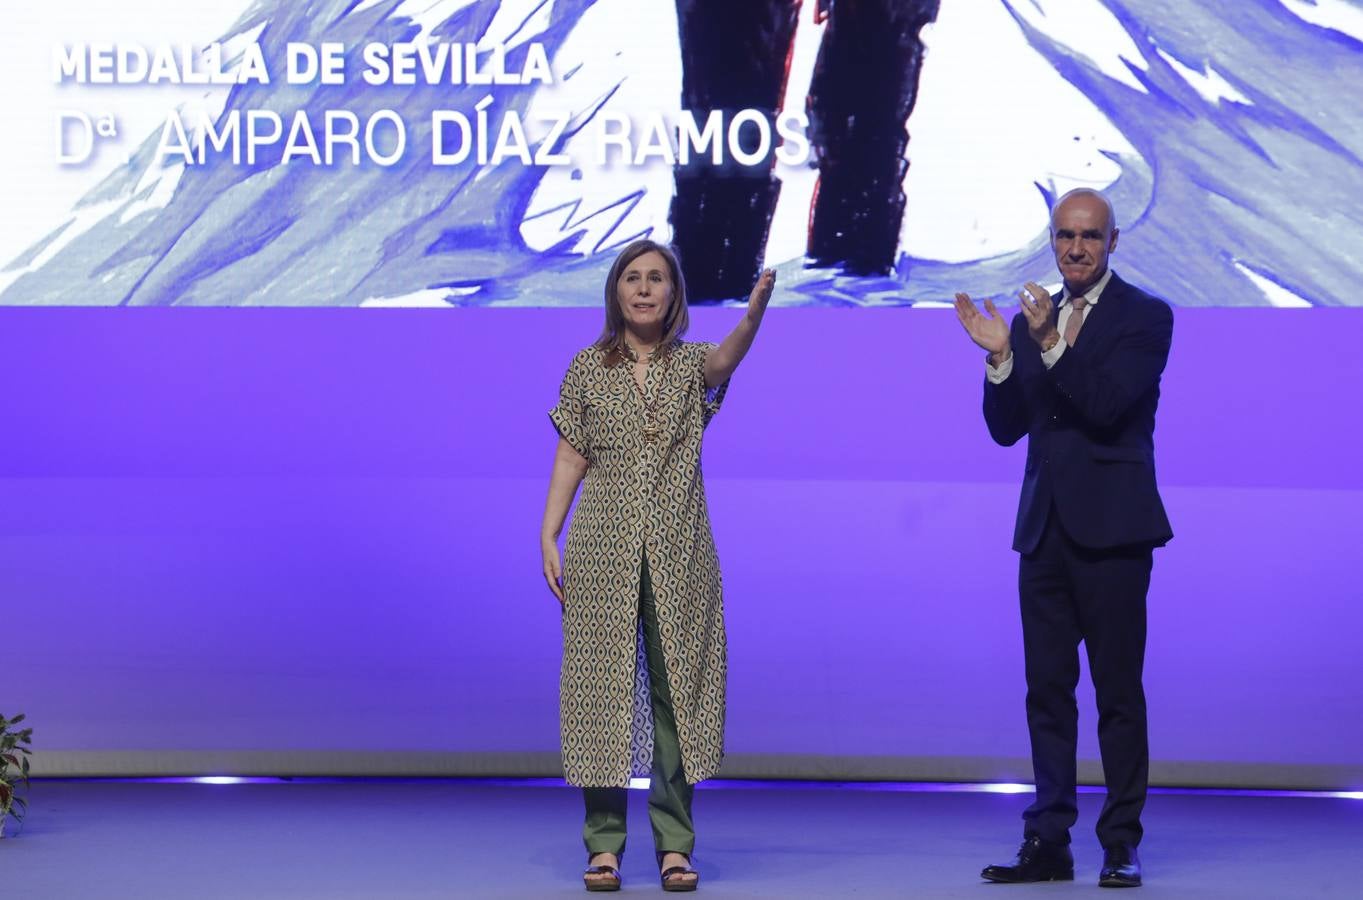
(642,684)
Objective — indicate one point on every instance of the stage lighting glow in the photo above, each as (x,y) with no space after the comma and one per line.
(1004,788)
(218,779)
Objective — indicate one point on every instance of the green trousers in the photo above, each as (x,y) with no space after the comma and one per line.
(669,794)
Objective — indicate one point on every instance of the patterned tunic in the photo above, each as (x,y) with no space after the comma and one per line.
(639,496)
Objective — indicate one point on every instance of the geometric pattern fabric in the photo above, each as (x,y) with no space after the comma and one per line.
(639,496)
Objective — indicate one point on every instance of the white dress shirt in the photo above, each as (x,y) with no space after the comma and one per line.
(1051,356)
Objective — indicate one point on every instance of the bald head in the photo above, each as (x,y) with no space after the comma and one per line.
(1083,234)
(1087,197)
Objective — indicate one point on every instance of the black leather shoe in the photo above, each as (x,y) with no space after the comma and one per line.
(1036,861)
(1121,867)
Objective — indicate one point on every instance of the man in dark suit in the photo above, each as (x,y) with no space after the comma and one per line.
(1079,374)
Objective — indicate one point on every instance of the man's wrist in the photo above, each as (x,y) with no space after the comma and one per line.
(999,358)
(1049,341)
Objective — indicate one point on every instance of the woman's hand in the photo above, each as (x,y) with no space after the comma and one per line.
(761,294)
(553,567)
(570,467)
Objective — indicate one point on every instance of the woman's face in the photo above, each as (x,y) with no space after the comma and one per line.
(645,291)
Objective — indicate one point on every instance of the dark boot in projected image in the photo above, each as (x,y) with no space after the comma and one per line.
(735,56)
(864,88)
(719,226)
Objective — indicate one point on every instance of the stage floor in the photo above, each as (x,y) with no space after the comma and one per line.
(398,839)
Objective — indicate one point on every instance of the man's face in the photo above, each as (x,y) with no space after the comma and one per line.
(1082,238)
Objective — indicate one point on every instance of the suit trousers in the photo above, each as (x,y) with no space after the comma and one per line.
(669,793)
(1072,594)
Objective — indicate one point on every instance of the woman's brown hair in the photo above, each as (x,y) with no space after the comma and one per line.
(675,321)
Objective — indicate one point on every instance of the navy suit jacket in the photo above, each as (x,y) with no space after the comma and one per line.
(1090,424)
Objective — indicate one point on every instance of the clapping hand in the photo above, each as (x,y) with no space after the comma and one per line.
(1037,307)
(987,329)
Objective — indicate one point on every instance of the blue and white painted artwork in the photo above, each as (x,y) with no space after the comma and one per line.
(1229,135)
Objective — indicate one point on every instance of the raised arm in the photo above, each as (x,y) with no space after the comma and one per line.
(1005,408)
(724,359)
(569,469)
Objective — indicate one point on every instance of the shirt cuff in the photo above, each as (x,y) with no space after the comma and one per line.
(999,375)
(1052,356)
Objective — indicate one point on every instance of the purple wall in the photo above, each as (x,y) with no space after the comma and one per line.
(315,530)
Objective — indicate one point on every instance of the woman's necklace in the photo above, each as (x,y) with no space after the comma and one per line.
(650,429)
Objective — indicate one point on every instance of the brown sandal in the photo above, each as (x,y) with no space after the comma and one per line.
(683,884)
(601,884)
